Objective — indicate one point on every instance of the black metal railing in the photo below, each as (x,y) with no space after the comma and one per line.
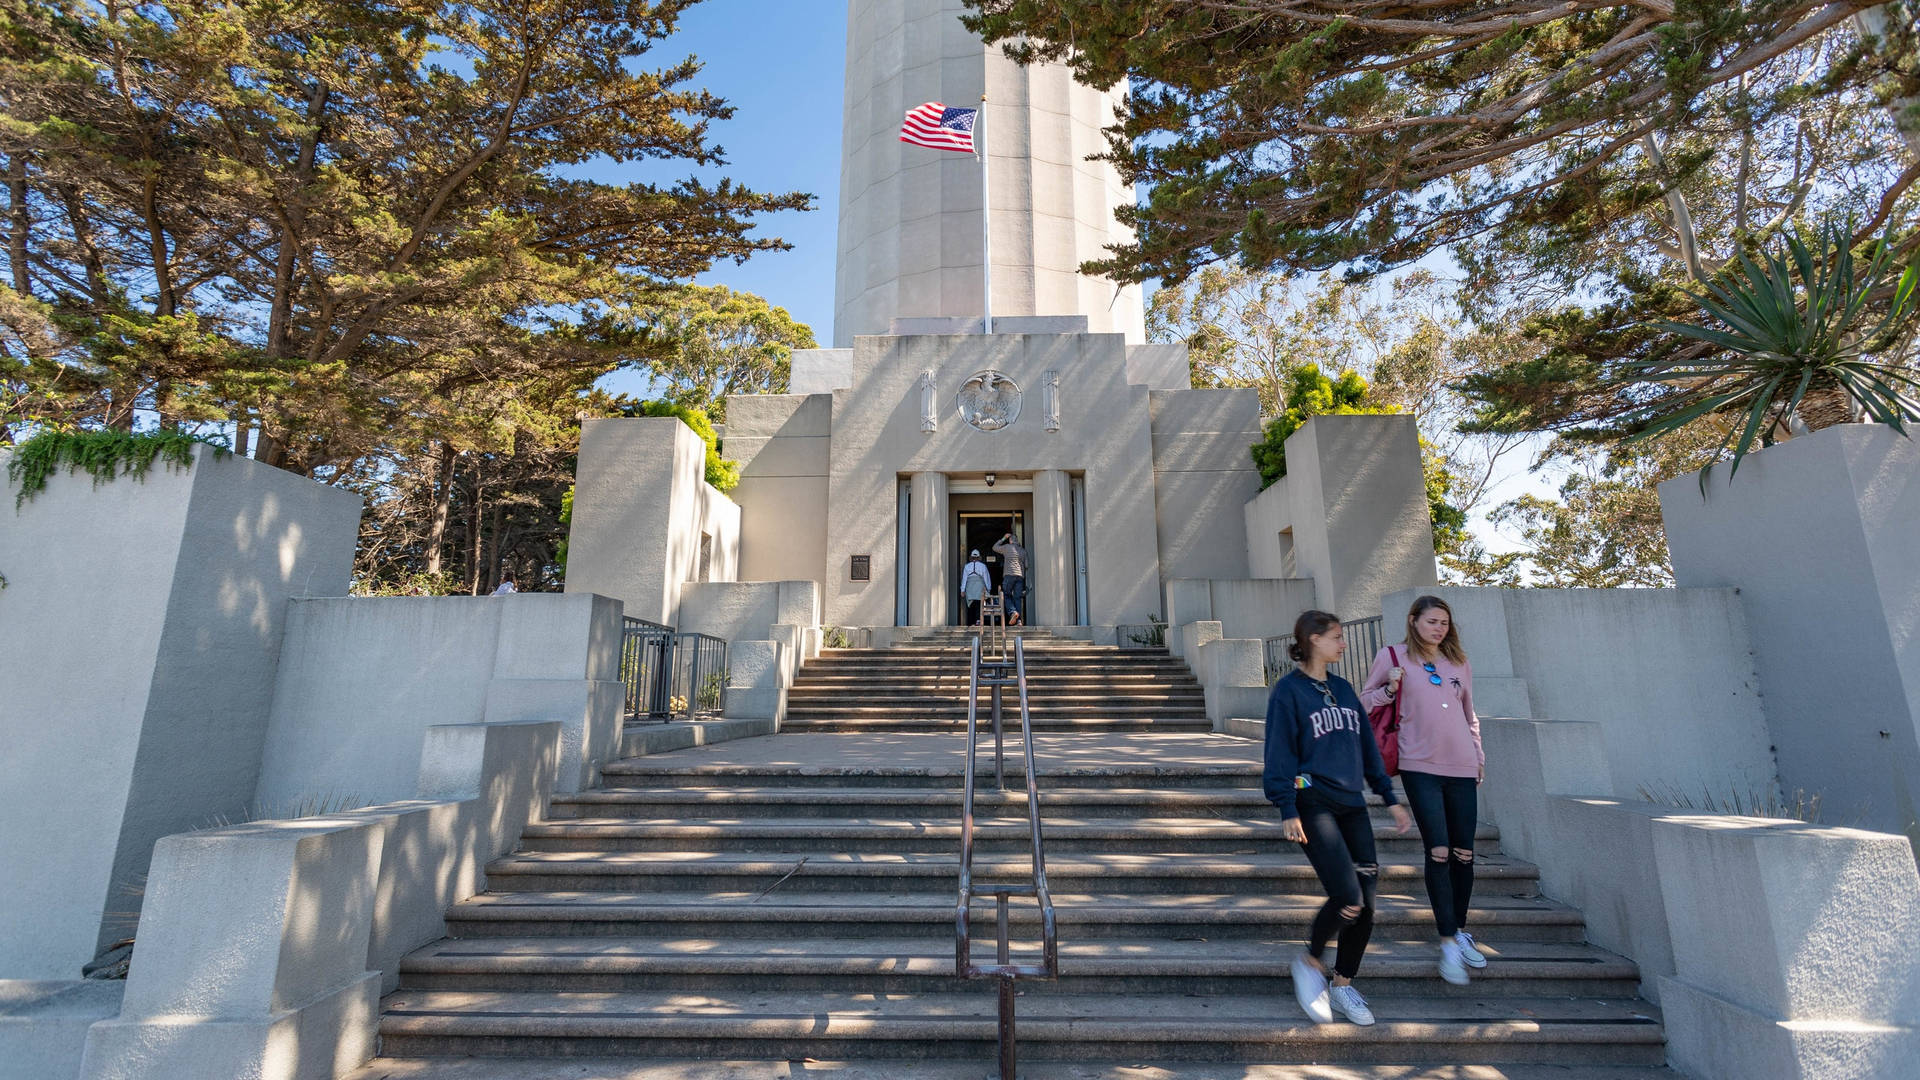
(997,675)
(1140,636)
(1364,639)
(669,674)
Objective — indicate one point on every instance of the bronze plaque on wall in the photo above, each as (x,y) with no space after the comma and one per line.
(862,567)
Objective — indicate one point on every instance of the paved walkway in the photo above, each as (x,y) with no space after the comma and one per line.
(1090,754)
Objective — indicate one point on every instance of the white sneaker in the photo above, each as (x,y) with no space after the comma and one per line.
(1347,1001)
(1469,955)
(1452,966)
(1310,990)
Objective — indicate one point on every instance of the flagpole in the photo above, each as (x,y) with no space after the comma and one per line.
(986,227)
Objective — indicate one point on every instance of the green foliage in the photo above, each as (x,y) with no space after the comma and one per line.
(711,689)
(1793,327)
(420,583)
(103,455)
(1286,135)
(566,528)
(832,637)
(1310,393)
(722,474)
(1449,520)
(710,341)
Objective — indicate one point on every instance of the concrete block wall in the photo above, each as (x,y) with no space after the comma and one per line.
(362,679)
(1355,502)
(645,521)
(748,610)
(1776,949)
(782,443)
(1817,537)
(1201,465)
(141,630)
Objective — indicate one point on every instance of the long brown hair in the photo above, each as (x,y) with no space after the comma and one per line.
(1449,645)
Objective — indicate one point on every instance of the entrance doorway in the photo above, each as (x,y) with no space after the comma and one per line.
(979,531)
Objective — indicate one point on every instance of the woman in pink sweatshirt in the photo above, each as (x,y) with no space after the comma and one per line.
(1441,765)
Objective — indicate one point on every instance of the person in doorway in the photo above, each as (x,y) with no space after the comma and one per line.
(506,587)
(1013,578)
(1320,759)
(974,585)
(1441,765)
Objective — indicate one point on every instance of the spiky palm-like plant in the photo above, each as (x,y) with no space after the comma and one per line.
(1790,329)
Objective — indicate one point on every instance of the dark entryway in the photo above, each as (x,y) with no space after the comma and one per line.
(979,531)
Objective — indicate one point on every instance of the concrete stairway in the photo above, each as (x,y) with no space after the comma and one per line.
(921,686)
(791,899)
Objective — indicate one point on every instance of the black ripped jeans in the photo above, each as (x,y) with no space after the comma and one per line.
(1340,847)
(1446,808)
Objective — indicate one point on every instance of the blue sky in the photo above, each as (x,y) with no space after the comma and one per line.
(780,65)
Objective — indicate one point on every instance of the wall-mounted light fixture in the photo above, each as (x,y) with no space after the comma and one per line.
(990,479)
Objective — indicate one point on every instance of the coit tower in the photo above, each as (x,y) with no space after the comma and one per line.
(911,239)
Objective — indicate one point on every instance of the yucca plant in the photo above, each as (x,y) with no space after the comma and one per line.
(1791,329)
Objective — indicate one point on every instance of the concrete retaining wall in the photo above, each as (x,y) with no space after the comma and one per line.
(140,627)
(1776,949)
(1666,674)
(1818,535)
(362,679)
(233,977)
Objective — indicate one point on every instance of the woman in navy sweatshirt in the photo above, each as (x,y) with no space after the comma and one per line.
(1320,750)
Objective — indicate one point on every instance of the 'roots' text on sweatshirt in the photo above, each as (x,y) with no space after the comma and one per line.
(1331,745)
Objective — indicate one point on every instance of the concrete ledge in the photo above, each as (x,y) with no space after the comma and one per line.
(43,1024)
(1529,760)
(639,740)
(264,947)
(1711,1038)
(1793,921)
(1243,727)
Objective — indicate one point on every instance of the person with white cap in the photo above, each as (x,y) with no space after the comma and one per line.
(974,584)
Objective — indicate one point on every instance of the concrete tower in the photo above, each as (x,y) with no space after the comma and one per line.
(910,234)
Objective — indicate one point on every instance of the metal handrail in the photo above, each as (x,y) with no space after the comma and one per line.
(1365,638)
(996,677)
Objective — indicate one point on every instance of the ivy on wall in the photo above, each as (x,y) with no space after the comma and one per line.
(104,455)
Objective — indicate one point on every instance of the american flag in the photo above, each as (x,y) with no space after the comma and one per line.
(940,128)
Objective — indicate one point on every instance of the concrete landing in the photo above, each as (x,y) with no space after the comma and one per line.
(943,753)
(615,1069)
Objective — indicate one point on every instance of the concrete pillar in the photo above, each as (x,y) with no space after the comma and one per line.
(1050,542)
(927,570)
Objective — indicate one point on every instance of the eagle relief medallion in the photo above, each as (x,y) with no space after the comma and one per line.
(989,401)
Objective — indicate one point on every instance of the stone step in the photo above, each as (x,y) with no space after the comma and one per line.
(1262,873)
(1052,1027)
(1045,725)
(665,771)
(849,706)
(798,909)
(996,834)
(925,965)
(1057,805)
(598,1068)
(879,694)
(1037,663)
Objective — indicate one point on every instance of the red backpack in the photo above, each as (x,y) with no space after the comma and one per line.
(1386,725)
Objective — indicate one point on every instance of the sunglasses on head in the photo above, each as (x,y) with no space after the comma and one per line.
(1432,675)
